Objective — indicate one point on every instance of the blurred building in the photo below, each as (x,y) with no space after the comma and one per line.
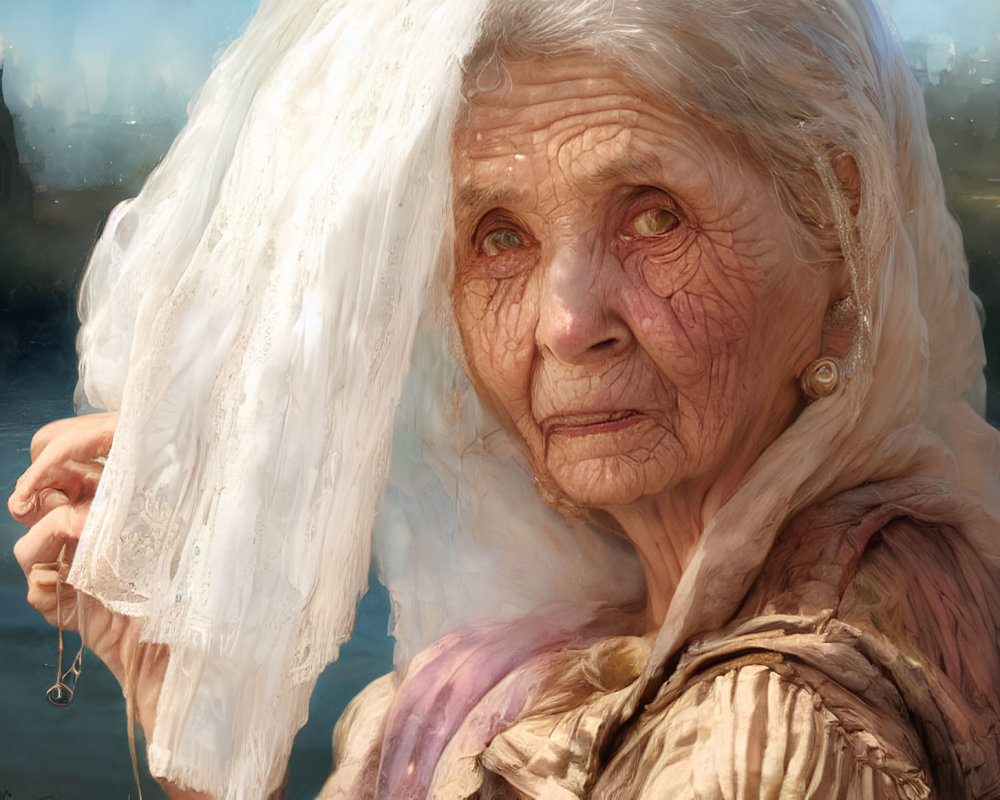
(929,57)
(16,192)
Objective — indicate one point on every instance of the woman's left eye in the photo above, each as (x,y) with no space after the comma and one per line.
(655,222)
(501,240)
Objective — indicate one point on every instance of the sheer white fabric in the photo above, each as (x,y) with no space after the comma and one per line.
(253,315)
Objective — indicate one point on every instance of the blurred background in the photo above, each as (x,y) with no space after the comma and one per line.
(92,93)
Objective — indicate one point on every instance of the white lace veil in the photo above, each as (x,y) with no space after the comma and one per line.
(271,313)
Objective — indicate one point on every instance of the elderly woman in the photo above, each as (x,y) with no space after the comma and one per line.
(680,269)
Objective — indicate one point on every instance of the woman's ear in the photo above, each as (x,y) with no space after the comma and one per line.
(845,168)
(839,328)
(841,321)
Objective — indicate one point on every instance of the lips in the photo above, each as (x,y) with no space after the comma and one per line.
(590,423)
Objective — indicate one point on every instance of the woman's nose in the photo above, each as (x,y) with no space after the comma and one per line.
(578,315)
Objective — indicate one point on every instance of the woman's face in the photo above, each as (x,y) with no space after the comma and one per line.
(632,302)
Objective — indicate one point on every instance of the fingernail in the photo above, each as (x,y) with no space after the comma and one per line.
(19,508)
(49,499)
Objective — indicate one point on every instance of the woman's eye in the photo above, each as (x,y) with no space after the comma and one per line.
(655,222)
(499,241)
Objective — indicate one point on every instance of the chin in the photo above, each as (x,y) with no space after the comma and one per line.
(604,482)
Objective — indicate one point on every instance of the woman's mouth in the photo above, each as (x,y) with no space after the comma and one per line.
(589,424)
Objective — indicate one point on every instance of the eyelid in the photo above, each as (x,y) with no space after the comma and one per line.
(496,220)
(644,199)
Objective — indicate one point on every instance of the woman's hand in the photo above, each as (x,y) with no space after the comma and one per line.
(53,498)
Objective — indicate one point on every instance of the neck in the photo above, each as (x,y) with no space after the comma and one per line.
(665,530)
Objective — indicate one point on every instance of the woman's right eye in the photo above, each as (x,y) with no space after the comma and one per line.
(500,241)
(501,246)
(655,222)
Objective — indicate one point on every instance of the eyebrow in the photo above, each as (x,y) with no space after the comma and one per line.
(471,198)
(631,165)
(634,166)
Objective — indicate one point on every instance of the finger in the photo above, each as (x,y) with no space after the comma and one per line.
(76,438)
(63,453)
(68,483)
(44,540)
(47,433)
(49,500)
(44,502)
(112,637)
(57,428)
(43,586)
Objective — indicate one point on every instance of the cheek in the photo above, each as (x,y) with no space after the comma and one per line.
(496,322)
(691,311)
(664,267)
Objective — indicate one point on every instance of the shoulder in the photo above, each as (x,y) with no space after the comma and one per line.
(927,590)
(357,742)
(895,562)
(929,611)
(761,724)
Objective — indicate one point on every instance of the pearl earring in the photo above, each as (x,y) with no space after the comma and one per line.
(821,378)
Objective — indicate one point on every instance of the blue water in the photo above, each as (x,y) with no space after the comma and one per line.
(81,752)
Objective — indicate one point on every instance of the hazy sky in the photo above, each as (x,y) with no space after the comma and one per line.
(113,56)
(143,59)
(970,22)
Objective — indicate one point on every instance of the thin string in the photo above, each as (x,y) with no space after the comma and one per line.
(130,702)
(60,693)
